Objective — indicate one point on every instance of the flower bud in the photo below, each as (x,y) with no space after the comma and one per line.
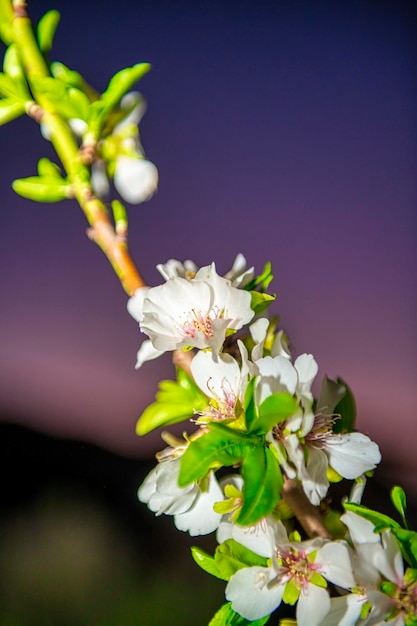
(135,179)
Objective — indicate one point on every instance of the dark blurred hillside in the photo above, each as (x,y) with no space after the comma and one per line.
(77,548)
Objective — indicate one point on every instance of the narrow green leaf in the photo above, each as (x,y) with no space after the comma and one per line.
(47,26)
(263,280)
(231,556)
(262,482)
(220,446)
(378,519)
(42,189)
(10,109)
(346,408)
(206,562)
(226,616)
(273,410)
(122,82)
(399,500)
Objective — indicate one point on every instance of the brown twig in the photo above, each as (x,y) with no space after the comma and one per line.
(307,514)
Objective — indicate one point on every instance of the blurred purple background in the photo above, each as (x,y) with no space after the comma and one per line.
(283,130)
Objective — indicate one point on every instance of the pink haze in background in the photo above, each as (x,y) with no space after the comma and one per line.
(285,131)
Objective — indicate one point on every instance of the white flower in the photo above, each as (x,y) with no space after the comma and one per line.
(305,443)
(175,269)
(298,571)
(194,313)
(191,507)
(238,275)
(223,382)
(135,178)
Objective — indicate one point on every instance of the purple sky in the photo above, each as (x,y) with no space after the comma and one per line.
(283,130)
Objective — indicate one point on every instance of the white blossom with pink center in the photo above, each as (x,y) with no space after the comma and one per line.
(194,313)
(223,381)
(299,571)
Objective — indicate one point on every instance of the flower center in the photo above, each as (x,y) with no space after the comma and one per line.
(322,429)
(296,566)
(199,322)
(406,600)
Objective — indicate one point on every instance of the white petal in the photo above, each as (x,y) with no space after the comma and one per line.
(344,610)
(135,179)
(135,303)
(99,180)
(147,353)
(389,561)
(258,332)
(277,374)
(360,529)
(352,454)
(313,606)
(307,369)
(259,538)
(280,346)
(250,595)
(215,379)
(238,274)
(174,269)
(201,519)
(335,564)
(314,477)
(331,393)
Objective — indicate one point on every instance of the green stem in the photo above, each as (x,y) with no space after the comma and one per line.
(102,229)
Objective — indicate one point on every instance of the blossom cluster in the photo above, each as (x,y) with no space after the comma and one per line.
(252,409)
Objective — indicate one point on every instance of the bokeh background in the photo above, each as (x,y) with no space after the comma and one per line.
(282,130)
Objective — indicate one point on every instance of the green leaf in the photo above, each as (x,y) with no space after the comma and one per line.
(262,281)
(69,102)
(408,544)
(226,616)
(10,109)
(230,556)
(206,562)
(399,500)
(12,65)
(377,519)
(262,482)
(249,403)
(122,82)
(47,26)
(48,169)
(175,402)
(13,88)
(346,408)
(42,188)
(6,21)
(273,410)
(260,301)
(220,446)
